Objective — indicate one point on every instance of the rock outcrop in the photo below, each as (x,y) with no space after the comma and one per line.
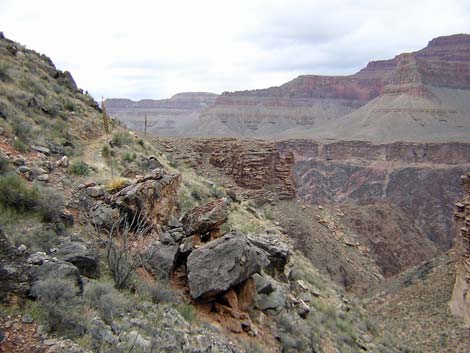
(223,263)
(460,303)
(154,197)
(80,255)
(259,170)
(206,218)
(419,179)
(14,277)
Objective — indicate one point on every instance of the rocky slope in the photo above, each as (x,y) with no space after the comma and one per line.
(107,245)
(165,117)
(420,180)
(459,304)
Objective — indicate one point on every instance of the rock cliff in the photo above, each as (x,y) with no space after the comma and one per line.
(419,179)
(255,169)
(460,303)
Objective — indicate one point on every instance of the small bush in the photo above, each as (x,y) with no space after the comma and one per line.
(21,129)
(15,193)
(38,240)
(109,302)
(5,165)
(121,138)
(129,156)
(159,294)
(70,105)
(20,146)
(197,195)
(187,311)
(79,168)
(106,152)
(173,162)
(268,213)
(218,192)
(4,71)
(59,305)
(117,184)
(50,205)
(141,142)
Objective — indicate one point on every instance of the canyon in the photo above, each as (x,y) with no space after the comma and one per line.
(420,96)
(281,218)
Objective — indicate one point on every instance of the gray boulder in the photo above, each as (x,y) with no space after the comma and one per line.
(41,149)
(274,301)
(103,216)
(162,259)
(275,249)
(223,263)
(263,284)
(205,218)
(14,277)
(81,256)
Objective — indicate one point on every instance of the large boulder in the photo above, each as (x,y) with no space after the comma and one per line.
(79,254)
(103,216)
(14,277)
(276,250)
(155,197)
(205,218)
(162,259)
(220,264)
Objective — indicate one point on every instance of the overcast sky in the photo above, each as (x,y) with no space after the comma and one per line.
(154,49)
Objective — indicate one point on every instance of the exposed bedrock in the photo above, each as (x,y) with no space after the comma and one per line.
(419,179)
(460,303)
(425,193)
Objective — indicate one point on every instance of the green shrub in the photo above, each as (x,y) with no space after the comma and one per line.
(187,311)
(79,168)
(217,192)
(4,71)
(173,162)
(141,142)
(109,302)
(15,193)
(121,138)
(197,195)
(106,152)
(129,156)
(70,105)
(50,205)
(21,129)
(59,306)
(20,146)
(5,165)
(38,240)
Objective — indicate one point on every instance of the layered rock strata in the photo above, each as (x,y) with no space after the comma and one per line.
(460,303)
(259,169)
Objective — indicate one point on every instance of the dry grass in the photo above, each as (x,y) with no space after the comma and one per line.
(117,184)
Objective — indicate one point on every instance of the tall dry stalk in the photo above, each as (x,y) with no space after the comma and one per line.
(145,125)
(106,131)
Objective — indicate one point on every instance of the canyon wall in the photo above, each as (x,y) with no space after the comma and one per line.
(165,117)
(253,169)
(419,179)
(460,303)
